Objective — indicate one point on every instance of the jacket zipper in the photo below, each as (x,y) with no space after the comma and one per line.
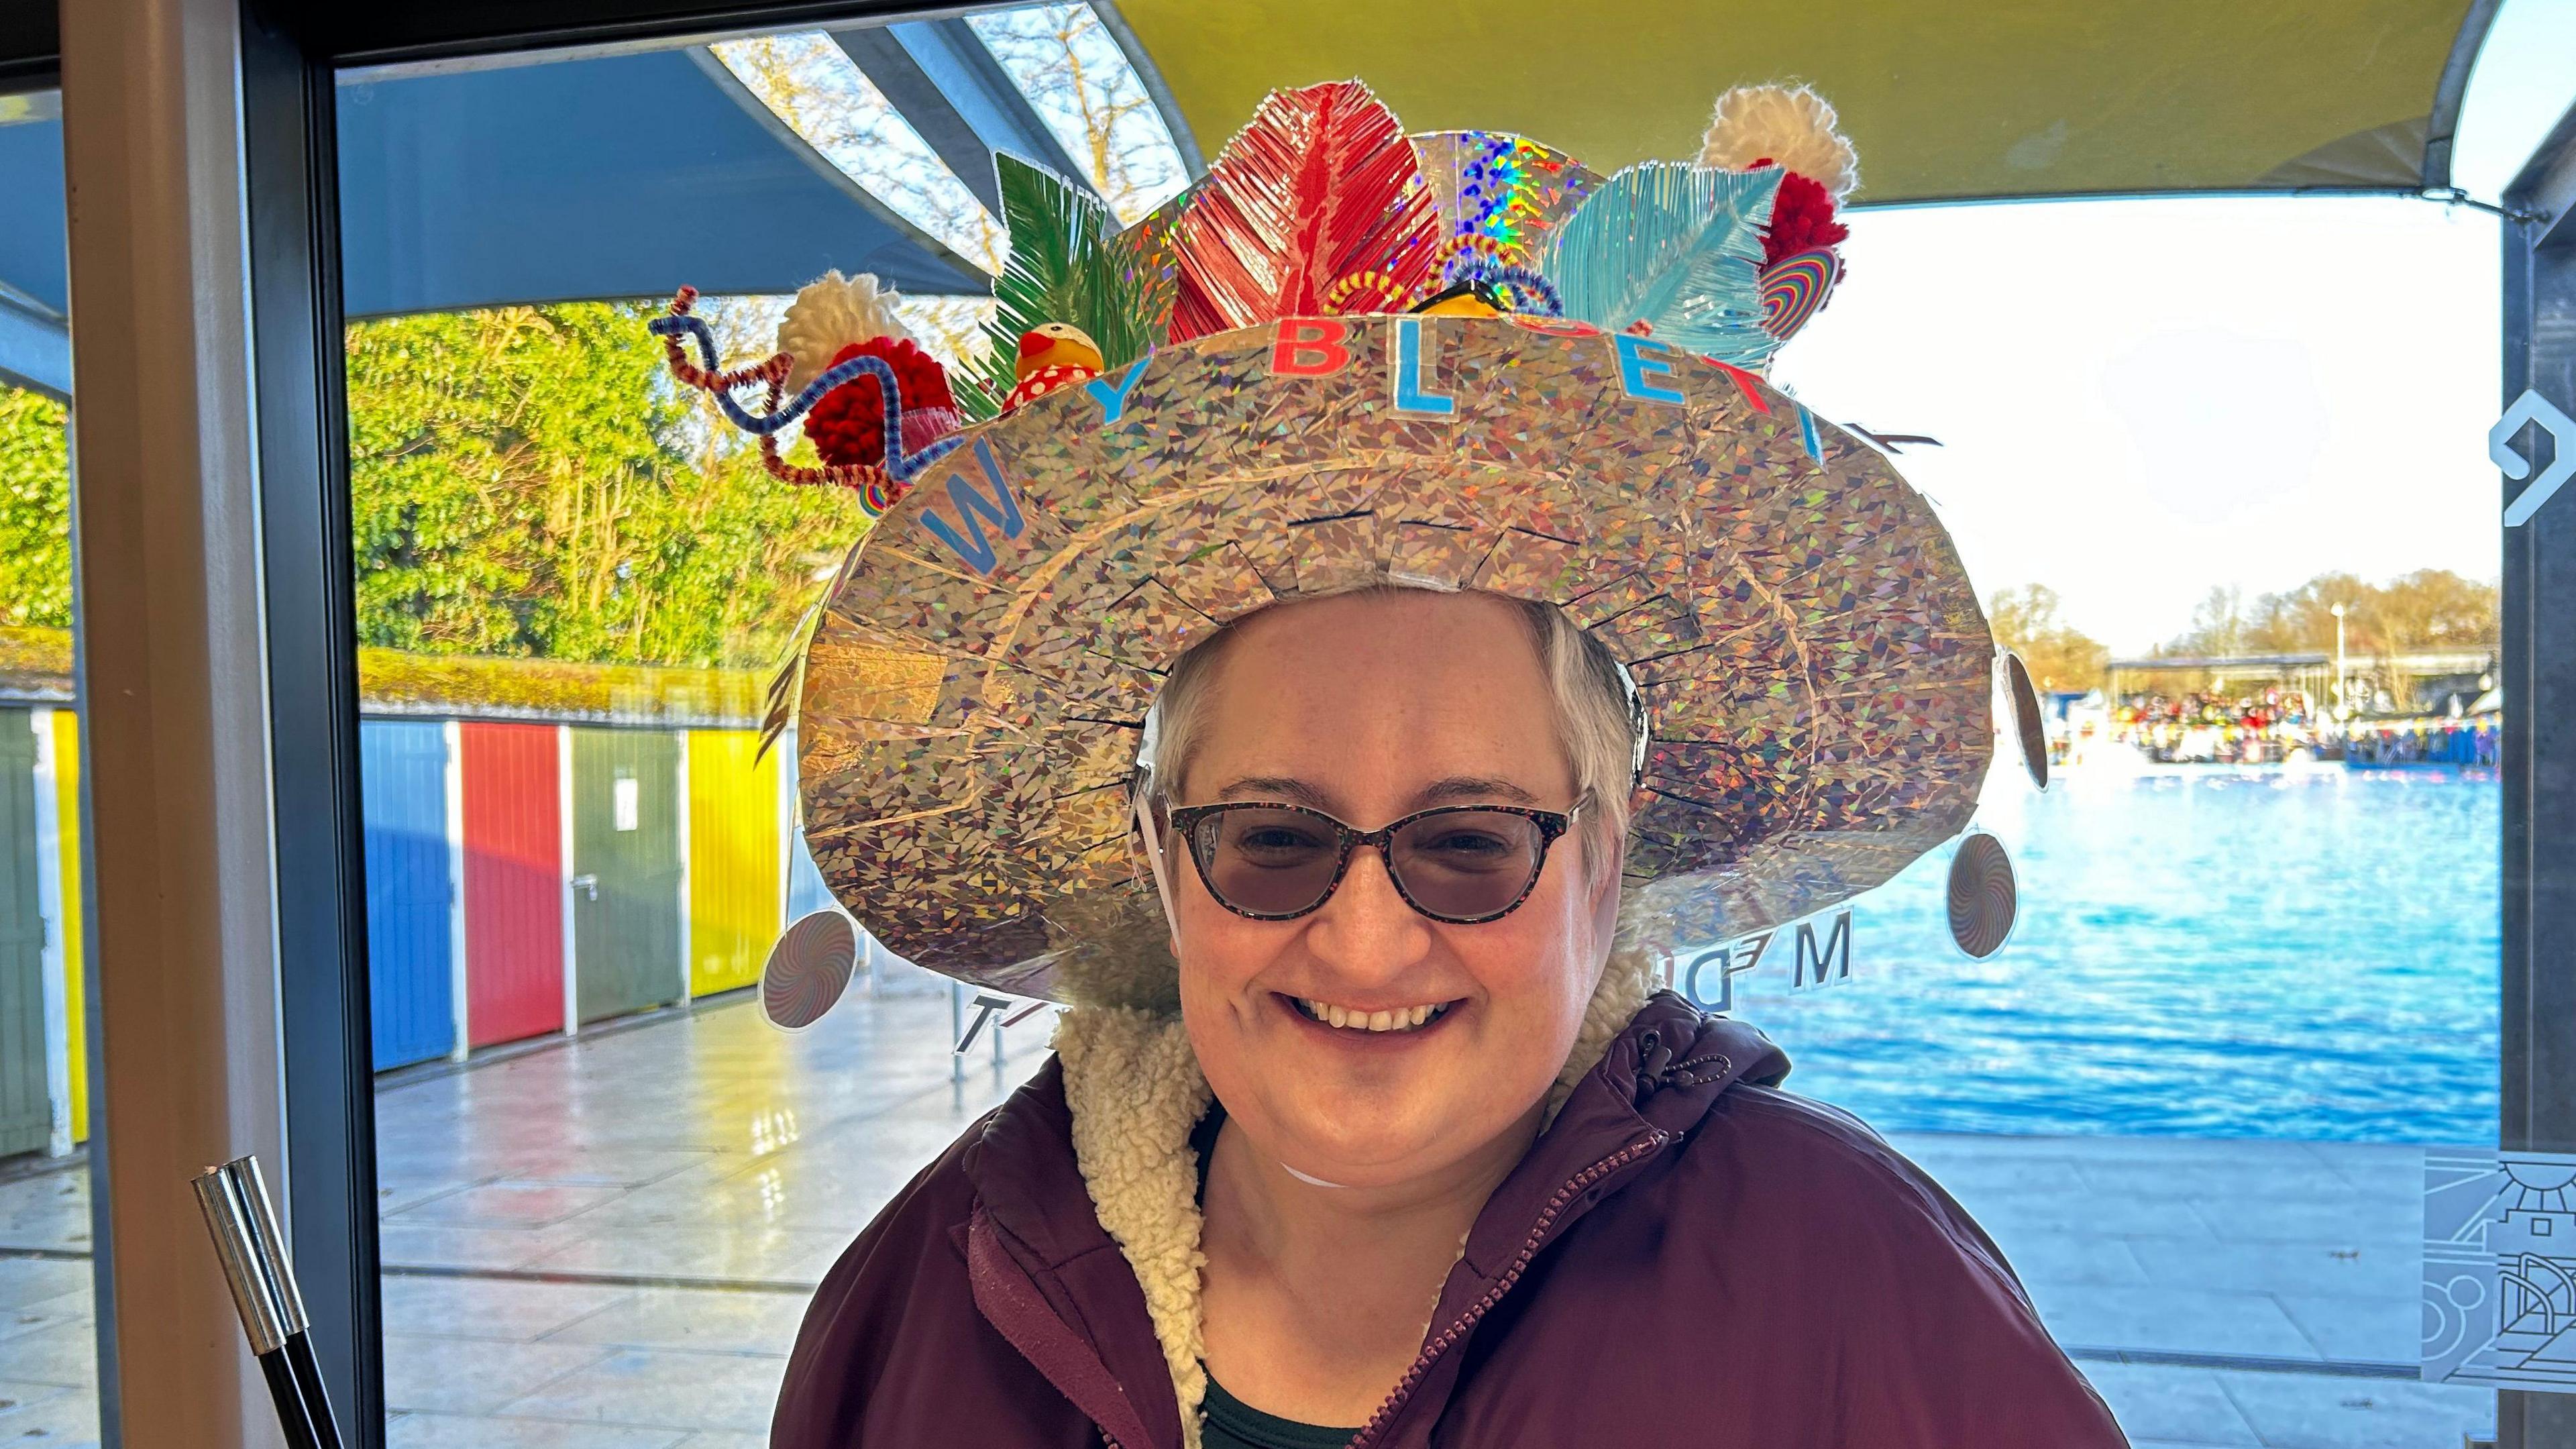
(1448,1337)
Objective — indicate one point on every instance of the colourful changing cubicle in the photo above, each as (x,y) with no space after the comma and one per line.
(522,878)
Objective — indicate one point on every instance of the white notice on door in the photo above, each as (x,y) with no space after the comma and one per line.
(630,798)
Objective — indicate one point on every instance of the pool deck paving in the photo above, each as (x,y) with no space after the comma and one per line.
(606,1243)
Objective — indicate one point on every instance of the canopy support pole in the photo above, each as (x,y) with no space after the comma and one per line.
(938,74)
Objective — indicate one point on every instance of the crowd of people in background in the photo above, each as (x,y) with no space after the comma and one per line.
(2412,677)
(2212,728)
(2443,742)
(2276,726)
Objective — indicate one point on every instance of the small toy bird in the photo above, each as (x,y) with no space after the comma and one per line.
(1052,355)
(1057,344)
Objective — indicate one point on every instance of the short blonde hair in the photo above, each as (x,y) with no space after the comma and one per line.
(1596,722)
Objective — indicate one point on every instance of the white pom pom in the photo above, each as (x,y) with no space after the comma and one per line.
(1791,125)
(829,315)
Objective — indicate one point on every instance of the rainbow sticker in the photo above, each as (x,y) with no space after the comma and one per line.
(1793,290)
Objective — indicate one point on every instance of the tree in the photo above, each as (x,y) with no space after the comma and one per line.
(2301,621)
(1070,67)
(2433,610)
(2219,625)
(807,82)
(526,481)
(35,512)
(523,482)
(2058,655)
(2429,610)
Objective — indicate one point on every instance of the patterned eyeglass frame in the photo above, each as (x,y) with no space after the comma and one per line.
(1552,824)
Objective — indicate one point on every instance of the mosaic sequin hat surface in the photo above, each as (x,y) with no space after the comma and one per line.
(1815,667)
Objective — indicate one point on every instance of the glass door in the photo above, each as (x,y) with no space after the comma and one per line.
(48,1332)
(607,1185)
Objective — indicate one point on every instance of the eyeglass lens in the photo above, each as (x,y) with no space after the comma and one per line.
(1459,864)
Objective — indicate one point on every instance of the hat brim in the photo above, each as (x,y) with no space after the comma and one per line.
(1816,669)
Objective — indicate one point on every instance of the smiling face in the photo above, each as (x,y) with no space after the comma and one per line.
(1370,707)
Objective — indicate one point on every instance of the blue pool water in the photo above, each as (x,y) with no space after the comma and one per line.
(2207,952)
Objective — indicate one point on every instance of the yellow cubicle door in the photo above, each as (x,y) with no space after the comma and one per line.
(67,823)
(733,859)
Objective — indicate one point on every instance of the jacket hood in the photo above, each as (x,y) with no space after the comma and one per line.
(1644,1070)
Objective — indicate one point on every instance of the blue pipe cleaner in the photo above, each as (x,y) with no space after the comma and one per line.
(899,465)
(1471,266)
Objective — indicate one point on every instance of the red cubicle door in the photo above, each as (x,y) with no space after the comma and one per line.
(514,938)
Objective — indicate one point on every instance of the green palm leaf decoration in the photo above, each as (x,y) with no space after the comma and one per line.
(1069,262)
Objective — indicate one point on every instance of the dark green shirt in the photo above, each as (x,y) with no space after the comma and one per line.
(1232,1423)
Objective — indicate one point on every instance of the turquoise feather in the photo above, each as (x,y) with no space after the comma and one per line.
(1676,247)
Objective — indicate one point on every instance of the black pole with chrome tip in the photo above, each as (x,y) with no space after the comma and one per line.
(252,1250)
(252,1188)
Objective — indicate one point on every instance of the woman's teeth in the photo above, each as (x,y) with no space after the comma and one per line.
(1404,1018)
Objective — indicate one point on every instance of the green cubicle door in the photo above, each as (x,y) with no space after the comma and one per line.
(26,1108)
(626,874)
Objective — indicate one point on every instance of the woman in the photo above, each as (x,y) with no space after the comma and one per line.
(1467,1183)
(1348,708)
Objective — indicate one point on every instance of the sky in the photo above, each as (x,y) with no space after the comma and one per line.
(2140,400)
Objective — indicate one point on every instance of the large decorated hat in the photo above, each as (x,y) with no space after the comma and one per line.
(1350,357)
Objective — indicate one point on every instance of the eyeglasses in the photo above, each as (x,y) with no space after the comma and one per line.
(1462,864)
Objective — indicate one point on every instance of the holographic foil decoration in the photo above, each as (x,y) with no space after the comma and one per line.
(1817,673)
(1983,898)
(2029,728)
(1794,289)
(1498,193)
(808,970)
(1676,250)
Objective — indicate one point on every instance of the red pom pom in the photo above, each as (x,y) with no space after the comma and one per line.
(1802,219)
(848,424)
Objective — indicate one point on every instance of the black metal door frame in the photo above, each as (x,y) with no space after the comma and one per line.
(292,51)
(2539,766)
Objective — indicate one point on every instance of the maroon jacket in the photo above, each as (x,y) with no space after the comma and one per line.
(1687,1256)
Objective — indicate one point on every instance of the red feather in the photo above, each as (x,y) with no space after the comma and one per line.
(1320,185)
(1802,218)
(1193,315)
(847,425)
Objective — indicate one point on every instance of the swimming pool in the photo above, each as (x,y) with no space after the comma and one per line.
(2202,951)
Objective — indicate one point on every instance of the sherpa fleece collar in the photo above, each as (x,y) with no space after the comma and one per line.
(1134,1090)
